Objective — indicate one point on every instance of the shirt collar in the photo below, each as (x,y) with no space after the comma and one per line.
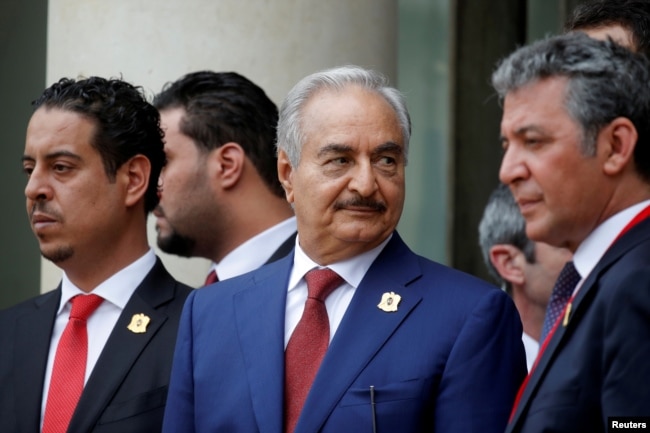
(255,251)
(118,288)
(351,270)
(593,248)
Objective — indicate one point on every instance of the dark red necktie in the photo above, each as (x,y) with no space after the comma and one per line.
(308,343)
(69,368)
(211,278)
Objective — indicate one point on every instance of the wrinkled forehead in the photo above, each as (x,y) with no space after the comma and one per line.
(536,98)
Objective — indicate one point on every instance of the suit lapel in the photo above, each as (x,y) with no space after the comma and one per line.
(259,316)
(639,233)
(33,333)
(123,347)
(365,328)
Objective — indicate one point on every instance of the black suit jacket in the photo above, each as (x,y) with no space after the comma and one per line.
(127,389)
(598,365)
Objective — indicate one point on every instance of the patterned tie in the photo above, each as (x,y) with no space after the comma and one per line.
(69,369)
(211,278)
(308,343)
(564,286)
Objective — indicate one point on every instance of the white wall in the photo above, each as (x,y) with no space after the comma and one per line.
(272,42)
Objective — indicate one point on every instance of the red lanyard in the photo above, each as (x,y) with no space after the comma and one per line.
(645,213)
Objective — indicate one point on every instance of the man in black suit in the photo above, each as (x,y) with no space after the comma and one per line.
(220,194)
(575,136)
(93,153)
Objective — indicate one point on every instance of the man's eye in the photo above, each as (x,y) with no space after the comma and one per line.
(340,161)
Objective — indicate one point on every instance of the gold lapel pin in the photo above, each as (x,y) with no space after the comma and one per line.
(139,323)
(389,302)
(565,322)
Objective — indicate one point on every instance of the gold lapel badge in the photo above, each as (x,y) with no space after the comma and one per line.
(389,302)
(139,323)
(567,313)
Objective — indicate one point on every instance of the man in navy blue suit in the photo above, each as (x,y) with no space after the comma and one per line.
(413,346)
(575,134)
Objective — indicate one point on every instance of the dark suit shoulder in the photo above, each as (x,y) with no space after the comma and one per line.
(407,267)
(159,287)
(625,265)
(31,304)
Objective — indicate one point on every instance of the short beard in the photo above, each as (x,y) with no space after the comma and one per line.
(59,255)
(177,244)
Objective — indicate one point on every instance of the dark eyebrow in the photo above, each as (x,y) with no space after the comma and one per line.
(334,148)
(529,128)
(54,155)
(523,130)
(389,147)
(342,148)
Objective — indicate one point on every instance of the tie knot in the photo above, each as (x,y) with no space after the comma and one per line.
(211,278)
(322,282)
(84,305)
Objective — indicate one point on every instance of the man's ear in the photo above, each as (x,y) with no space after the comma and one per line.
(135,173)
(616,143)
(230,159)
(508,261)
(285,174)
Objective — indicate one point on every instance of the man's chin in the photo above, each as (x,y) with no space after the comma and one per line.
(176,245)
(58,255)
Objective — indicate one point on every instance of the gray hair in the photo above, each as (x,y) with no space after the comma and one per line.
(605,81)
(290,134)
(502,223)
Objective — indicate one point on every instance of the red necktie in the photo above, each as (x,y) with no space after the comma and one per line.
(69,369)
(308,343)
(211,278)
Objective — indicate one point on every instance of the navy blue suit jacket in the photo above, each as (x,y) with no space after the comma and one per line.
(449,360)
(126,390)
(598,365)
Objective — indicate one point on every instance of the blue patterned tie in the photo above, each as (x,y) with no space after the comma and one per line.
(564,286)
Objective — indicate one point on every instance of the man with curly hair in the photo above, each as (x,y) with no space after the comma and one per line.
(95,354)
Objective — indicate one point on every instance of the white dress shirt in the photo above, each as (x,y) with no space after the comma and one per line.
(254,252)
(352,271)
(116,291)
(531,346)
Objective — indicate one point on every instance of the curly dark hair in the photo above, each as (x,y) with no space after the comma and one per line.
(223,107)
(126,124)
